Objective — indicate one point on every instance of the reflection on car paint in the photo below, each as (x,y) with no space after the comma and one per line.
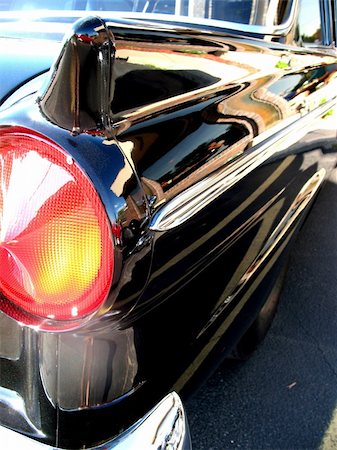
(206,179)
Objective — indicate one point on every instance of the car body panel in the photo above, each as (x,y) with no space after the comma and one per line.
(207,177)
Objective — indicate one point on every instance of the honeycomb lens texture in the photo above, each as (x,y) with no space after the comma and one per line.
(56,250)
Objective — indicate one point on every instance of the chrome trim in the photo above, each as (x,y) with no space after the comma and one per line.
(298,206)
(164,427)
(273,248)
(185,205)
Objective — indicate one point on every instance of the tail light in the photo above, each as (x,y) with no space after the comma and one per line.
(56,248)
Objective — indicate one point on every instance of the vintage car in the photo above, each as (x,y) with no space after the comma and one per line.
(156,167)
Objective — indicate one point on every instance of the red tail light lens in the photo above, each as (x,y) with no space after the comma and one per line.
(56,249)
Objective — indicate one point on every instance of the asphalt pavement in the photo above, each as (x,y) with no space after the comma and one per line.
(285,395)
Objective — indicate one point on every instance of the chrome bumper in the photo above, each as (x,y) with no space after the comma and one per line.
(165,427)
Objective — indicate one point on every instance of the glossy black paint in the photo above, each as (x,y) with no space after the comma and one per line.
(181,296)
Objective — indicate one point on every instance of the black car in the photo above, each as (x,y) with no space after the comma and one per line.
(156,167)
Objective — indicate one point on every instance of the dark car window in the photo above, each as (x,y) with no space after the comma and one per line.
(249,12)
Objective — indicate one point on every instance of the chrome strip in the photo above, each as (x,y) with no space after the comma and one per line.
(165,426)
(300,204)
(194,199)
(273,249)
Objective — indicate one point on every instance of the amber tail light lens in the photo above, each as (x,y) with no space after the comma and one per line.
(56,247)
